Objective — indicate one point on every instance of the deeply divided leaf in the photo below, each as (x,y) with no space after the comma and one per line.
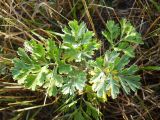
(122,37)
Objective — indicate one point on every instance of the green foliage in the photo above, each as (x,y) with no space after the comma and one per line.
(3,69)
(110,75)
(75,80)
(78,42)
(156,5)
(150,68)
(81,109)
(68,69)
(121,37)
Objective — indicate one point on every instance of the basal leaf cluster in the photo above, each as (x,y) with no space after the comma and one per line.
(68,69)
